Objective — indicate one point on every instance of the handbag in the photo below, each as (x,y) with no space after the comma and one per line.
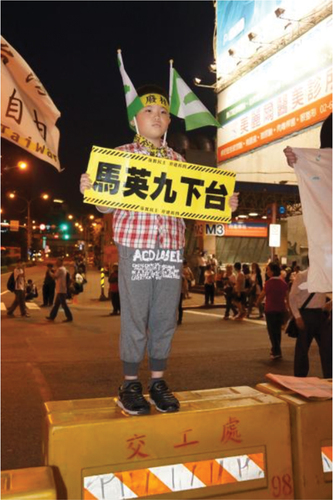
(292,328)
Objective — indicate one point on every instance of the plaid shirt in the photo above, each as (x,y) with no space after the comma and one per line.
(144,230)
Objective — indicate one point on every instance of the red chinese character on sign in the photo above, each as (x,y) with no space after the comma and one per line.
(268,112)
(230,431)
(255,119)
(282,105)
(135,444)
(185,442)
(244,125)
(297,97)
(314,87)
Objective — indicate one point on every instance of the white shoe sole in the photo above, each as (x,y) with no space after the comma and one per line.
(151,401)
(130,412)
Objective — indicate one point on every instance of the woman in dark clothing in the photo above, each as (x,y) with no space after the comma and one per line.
(276,293)
(256,289)
(48,286)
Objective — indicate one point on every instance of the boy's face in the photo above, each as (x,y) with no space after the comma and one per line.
(153,121)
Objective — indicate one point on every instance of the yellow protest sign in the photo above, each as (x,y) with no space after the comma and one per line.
(130,181)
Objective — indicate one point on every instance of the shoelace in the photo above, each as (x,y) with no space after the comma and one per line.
(165,391)
(134,390)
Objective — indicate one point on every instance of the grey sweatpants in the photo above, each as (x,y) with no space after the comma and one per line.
(149,287)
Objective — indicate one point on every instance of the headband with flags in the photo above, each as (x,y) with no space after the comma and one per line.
(183,102)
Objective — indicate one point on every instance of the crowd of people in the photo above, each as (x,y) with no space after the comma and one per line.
(278,295)
(58,287)
(276,292)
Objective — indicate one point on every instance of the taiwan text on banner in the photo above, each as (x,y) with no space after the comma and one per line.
(314,174)
(141,183)
(28,115)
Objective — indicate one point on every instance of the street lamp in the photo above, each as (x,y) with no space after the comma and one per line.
(22,165)
(197,83)
(44,196)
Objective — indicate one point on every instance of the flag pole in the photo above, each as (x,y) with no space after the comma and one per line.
(136,125)
(170,93)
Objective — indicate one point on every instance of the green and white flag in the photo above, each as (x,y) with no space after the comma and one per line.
(185,104)
(133,101)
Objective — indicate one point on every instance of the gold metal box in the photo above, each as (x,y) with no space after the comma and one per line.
(35,483)
(311,440)
(223,443)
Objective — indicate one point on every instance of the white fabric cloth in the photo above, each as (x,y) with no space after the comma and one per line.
(314,174)
(28,114)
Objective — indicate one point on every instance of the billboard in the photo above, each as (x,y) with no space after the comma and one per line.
(268,21)
(237,18)
(288,92)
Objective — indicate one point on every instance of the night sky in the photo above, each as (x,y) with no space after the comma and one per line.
(72,48)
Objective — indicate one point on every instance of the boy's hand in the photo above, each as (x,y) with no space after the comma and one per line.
(233,202)
(290,156)
(85,183)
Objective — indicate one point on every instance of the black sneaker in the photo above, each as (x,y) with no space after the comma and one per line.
(162,397)
(131,399)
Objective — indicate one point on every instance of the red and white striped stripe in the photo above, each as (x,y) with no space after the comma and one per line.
(175,477)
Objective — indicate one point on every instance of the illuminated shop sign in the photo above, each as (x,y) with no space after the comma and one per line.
(242,229)
(287,93)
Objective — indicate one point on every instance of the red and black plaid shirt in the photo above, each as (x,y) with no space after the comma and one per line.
(144,230)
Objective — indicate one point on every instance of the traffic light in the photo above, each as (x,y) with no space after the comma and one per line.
(66,236)
(63,227)
(282,210)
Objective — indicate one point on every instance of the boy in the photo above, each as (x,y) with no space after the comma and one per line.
(149,300)
(31,291)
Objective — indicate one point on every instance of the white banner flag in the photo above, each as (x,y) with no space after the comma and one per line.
(28,115)
(314,174)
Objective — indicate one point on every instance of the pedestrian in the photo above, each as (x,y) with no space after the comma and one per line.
(247,286)
(276,292)
(61,281)
(209,286)
(114,290)
(48,286)
(295,270)
(31,291)
(19,301)
(239,296)
(309,313)
(151,299)
(195,265)
(228,289)
(202,267)
(219,279)
(214,263)
(189,277)
(256,289)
